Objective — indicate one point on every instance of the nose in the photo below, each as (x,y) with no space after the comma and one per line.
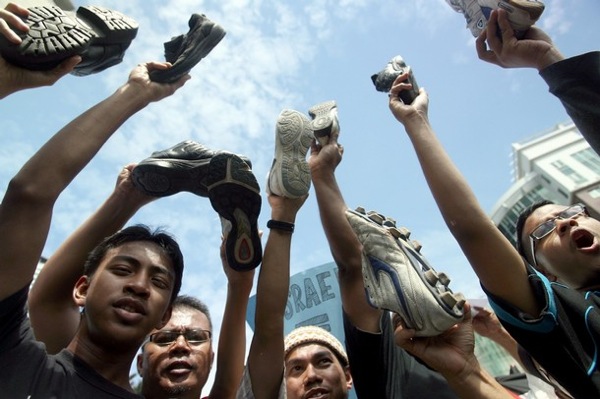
(562,225)
(180,346)
(311,375)
(138,285)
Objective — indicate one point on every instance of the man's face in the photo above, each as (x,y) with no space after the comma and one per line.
(127,296)
(571,252)
(313,371)
(179,367)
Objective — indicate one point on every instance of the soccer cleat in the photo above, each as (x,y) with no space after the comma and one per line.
(183,167)
(384,79)
(325,121)
(521,13)
(235,195)
(289,175)
(185,51)
(98,34)
(398,278)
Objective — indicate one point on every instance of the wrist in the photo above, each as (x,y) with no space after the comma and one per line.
(280,225)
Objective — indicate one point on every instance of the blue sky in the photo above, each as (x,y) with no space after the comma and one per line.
(294,54)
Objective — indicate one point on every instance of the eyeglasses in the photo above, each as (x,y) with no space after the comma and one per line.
(543,229)
(195,336)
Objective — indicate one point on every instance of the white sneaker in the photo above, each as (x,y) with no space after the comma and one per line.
(325,121)
(290,175)
(521,13)
(398,278)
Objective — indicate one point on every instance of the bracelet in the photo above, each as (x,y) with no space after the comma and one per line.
(277,225)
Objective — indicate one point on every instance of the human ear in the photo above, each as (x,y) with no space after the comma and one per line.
(80,290)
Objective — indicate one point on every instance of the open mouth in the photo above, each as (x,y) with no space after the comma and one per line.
(582,238)
(316,393)
(179,367)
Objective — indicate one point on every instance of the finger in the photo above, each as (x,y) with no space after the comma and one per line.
(8,33)
(506,29)
(314,147)
(17,9)
(493,38)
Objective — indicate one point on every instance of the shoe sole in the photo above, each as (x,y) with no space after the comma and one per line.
(235,195)
(391,283)
(200,50)
(165,177)
(534,9)
(290,175)
(325,121)
(55,35)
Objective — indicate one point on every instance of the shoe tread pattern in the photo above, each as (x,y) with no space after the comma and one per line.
(235,194)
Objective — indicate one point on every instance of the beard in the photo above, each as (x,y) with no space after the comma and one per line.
(173,392)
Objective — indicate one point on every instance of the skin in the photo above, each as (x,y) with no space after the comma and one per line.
(313,371)
(180,368)
(571,253)
(126,297)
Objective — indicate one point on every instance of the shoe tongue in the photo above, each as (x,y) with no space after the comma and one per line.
(174,48)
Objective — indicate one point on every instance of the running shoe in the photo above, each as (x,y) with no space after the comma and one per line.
(325,121)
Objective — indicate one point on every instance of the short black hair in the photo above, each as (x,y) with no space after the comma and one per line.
(521,224)
(186,301)
(135,233)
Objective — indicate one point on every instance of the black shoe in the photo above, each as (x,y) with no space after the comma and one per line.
(98,34)
(185,51)
(235,195)
(384,79)
(183,167)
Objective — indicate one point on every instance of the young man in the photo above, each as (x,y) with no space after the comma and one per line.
(129,282)
(575,81)
(177,367)
(557,324)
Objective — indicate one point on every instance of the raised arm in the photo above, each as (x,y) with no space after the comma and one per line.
(54,316)
(496,262)
(13,78)
(575,81)
(343,243)
(26,209)
(452,354)
(266,357)
(232,338)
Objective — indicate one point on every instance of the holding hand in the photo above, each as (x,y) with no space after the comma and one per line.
(534,50)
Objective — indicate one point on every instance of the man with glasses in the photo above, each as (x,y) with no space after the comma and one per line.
(176,360)
(548,304)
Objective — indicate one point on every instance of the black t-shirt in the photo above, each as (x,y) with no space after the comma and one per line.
(564,339)
(28,372)
(382,370)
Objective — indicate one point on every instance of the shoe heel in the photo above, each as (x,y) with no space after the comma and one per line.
(324,121)
(109,26)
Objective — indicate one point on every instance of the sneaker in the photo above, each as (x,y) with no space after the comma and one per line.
(521,13)
(98,34)
(289,175)
(183,167)
(185,51)
(398,278)
(325,121)
(384,79)
(235,195)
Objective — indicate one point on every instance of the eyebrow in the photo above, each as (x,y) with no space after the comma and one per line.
(156,269)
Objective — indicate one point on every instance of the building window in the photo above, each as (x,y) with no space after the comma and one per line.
(569,172)
(588,158)
(594,192)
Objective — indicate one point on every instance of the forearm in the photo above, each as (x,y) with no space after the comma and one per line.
(232,341)
(343,243)
(78,142)
(476,384)
(576,83)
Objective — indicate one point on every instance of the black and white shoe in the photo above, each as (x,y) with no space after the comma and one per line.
(100,35)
